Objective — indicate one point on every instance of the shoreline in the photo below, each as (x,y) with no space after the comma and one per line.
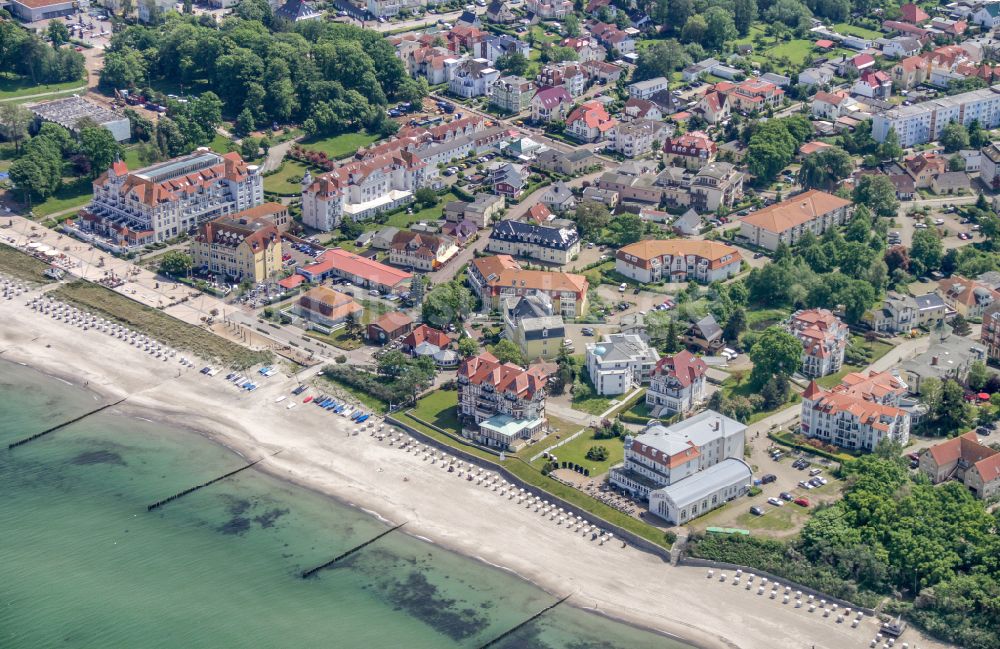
(319,454)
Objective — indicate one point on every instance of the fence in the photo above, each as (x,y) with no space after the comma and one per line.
(621,533)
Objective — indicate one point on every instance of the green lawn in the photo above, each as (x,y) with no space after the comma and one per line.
(576,451)
(441,409)
(221,144)
(13,86)
(756,29)
(797,51)
(541,39)
(854,30)
(287,179)
(131,158)
(17,264)
(403,220)
(760,319)
(339,339)
(831,380)
(71,195)
(587,399)
(340,146)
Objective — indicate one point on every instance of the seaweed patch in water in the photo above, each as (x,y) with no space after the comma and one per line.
(99,457)
(235,525)
(268,518)
(420,598)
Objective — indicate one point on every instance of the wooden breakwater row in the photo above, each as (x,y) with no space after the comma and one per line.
(53,429)
(312,571)
(160,503)
(531,619)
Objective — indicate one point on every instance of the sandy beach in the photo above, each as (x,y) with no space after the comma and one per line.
(318,452)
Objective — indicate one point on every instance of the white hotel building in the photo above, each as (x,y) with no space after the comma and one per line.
(925,121)
(687,469)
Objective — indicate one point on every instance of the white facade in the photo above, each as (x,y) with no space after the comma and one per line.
(620,363)
(925,121)
(850,421)
(702,493)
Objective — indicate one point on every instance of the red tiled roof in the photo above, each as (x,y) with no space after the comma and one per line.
(424,333)
(291,281)
(684,366)
(367,269)
(504,377)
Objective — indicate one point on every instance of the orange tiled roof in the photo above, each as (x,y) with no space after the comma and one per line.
(647,250)
(795,211)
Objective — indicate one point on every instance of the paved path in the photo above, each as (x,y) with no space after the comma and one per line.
(276,154)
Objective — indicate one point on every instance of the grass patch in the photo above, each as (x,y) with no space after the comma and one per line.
(340,146)
(339,339)
(854,30)
(796,50)
(21,266)
(575,451)
(221,144)
(441,409)
(831,380)
(372,403)
(776,519)
(69,196)
(13,86)
(789,439)
(402,220)
(287,180)
(585,397)
(155,323)
(760,319)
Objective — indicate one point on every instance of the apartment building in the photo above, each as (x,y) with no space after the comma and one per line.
(590,122)
(532,323)
(525,239)
(900,313)
(550,104)
(813,211)
(500,276)
(238,249)
(420,250)
(824,340)
(636,138)
(678,261)
(170,198)
(546,9)
(989,169)
(512,94)
(676,385)
(969,297)
(619,363)
(751,95)
(924,122)
(500,404)
(687,469)
(850,421)
(389,8)
(361,189)
(472,78)
(714,185)
(966,460)
(692,150)
(648,88)
(570,76)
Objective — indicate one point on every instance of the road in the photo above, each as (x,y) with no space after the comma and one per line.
(276,154)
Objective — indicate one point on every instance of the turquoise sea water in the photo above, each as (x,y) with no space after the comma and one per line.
(82,564)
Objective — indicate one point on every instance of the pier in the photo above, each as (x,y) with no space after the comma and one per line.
(523,624)
(24,441)
(161,503)
(312,571)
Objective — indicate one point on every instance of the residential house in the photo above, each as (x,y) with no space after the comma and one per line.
(602,71)
(874,85)
(493,278)
(548,9)
(493,47)
(687,224)
(508,179)
(906,189)
(897,314)
(751,95)
(421,251)
(931,310)
(550,104)
(590,122)
(614,39)
(949,27)
(816,76)
(238,248)
(850,421)
(463,37)
(989,169)
(500,404)
(948,357)
(557,245)
(569,75)
(646,89)
(678,261)
(597,195)
(677,385)
(586,48)
(620,363)
(427,342)
(383,237)
(641,109)
(713,107)
(498,12)
(987,16)
(786,222)
(824,340)
(485,209)
(909,73)
(968,297)
(691,150)
(717,184)
(697,70)
(827,105)
(512,94)
(531,323)
(990,334)
(539,213)
(972,158)
(558,197)
(950,182)
(902,47)
(472,78)
(966,460)
(687,469)
(573,163)
(636,138)
(326,307)
(292,10)
(923,167)
(913,14)
(704,335)
(388,327)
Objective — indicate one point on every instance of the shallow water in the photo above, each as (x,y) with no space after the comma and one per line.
(83,564)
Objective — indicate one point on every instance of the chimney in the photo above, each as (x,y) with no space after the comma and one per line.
(934,360)
(715,425)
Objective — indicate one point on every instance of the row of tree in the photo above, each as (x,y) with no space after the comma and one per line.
(26,54)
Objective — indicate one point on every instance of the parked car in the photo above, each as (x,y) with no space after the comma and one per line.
(805,485)
(815,472)
(768,478)
(756,511)
(786,496)
(802,502)
(623,287)
(776,502)
(587,331)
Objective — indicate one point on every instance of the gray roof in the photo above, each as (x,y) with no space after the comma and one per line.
(953,354)
(708,328)
(522,231)
(705,483)
(699,430)
(688,221)
(929,301)
(623,347)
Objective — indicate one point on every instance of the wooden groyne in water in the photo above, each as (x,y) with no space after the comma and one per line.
(312,571)
(531,619)
(160,503)
(21,442)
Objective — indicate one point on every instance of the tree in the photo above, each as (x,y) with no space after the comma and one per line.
(775,391)
(659,60)
(719,27)
(897,257)
(249,148)
(694,29)
(467,347)
(954,137)
(58,33)
(591,218)
(176,264)
(679,11)
(978,375)
(187,7)
(960,326)
(571,25)
(258,10)
(956,163)
(775,353)
(566,372)
(447,303)
(508,352)
(426,196)
(857,297)
(14,122)
(558,54)
(100,147)
(514,63)
(244,122)
(889,149)
(627,228)
(825,168)
(744,14)
(925,251)
(877,193)
(930,395)
(735,325)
